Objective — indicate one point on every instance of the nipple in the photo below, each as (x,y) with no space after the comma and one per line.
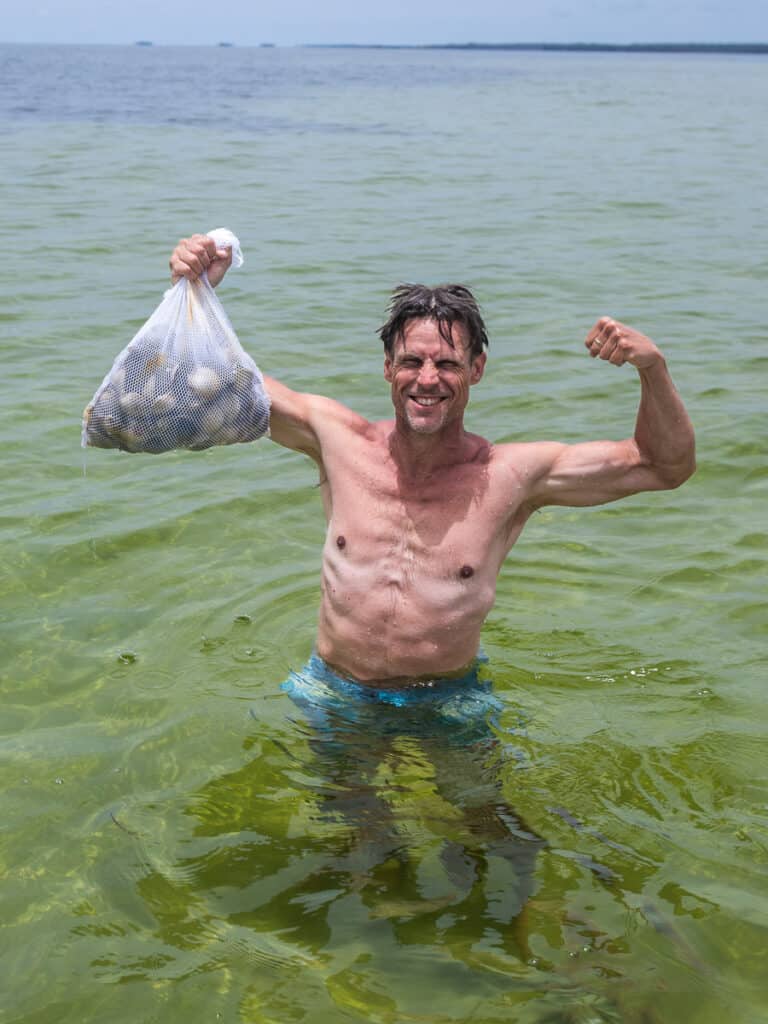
(341,541)
(466,571)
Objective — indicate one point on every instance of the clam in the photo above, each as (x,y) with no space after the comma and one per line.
(132,402)
(129,440)
(205,382)
(213,419)
(163,404)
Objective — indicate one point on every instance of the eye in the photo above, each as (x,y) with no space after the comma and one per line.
(448,364)
(410,361)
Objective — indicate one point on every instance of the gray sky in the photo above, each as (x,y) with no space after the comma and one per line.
(249,22)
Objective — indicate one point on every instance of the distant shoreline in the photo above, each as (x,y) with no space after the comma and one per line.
(760,49)
(558,47)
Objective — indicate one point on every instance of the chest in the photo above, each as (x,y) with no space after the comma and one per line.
(467,508)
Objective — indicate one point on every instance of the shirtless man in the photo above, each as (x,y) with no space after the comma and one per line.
(421,514)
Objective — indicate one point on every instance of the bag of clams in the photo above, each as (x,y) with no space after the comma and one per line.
(184,380)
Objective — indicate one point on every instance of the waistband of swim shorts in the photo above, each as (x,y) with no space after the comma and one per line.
(409,692)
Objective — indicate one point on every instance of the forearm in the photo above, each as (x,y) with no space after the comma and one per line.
(663,432)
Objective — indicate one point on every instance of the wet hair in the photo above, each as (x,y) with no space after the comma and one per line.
(447,304)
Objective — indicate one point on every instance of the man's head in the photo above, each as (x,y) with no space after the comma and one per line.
(446,304)
(434,351)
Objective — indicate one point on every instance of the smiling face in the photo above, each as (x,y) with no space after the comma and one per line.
(431,378)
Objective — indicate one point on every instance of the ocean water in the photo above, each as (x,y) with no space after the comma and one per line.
(178,841)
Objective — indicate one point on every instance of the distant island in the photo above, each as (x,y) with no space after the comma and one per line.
(758,48)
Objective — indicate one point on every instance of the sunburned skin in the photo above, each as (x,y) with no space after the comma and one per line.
(410,566)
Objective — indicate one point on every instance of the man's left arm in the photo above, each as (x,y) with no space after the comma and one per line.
(660,456)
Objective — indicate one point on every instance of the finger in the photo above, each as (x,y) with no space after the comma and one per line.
(595,332)
(607,349)
(189,261)
(619,355)
(596,343)
(599,336)
(202,242)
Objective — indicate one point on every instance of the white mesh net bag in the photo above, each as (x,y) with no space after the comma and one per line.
(184,380)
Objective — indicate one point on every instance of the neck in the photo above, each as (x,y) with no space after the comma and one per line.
(418,454)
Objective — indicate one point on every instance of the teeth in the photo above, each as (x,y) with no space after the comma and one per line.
(425,401)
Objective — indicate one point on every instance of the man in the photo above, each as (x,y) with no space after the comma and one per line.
(421,514)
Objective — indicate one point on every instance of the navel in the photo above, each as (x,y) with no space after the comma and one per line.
(466,571)
(341,541)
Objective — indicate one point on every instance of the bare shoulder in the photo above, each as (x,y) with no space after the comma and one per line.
(328,412)
(526,460)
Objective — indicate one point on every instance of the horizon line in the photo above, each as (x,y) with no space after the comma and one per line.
(663,47)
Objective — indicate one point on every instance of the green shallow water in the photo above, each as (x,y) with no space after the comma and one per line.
(167,847)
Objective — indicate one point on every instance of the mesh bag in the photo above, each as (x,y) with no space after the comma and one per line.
(184,381)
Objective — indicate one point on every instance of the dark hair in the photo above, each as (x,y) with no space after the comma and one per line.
(447,304)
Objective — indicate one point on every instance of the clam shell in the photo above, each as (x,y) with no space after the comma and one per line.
(205,382)
(213,419)
(130,440)
(132,402)
(163,404)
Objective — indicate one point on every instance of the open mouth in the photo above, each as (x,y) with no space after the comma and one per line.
(427,401)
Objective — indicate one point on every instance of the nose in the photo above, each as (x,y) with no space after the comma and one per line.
(428,377)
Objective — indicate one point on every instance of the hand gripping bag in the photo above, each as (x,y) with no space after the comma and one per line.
(184,380)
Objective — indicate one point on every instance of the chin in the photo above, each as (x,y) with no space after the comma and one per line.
(425,426)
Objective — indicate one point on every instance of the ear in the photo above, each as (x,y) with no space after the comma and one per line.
(387,369)
(478,367)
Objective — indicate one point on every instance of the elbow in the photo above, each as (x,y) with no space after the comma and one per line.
(674,476)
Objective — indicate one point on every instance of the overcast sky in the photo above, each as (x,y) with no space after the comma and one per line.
(249,22)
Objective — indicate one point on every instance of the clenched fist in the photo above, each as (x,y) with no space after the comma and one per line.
(618,344)
(192,256)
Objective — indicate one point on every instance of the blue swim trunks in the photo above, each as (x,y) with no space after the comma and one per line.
(460,706)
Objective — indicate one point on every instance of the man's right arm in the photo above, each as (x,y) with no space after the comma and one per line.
(295,419)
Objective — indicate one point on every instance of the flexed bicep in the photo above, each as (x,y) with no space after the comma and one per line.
(592,473)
